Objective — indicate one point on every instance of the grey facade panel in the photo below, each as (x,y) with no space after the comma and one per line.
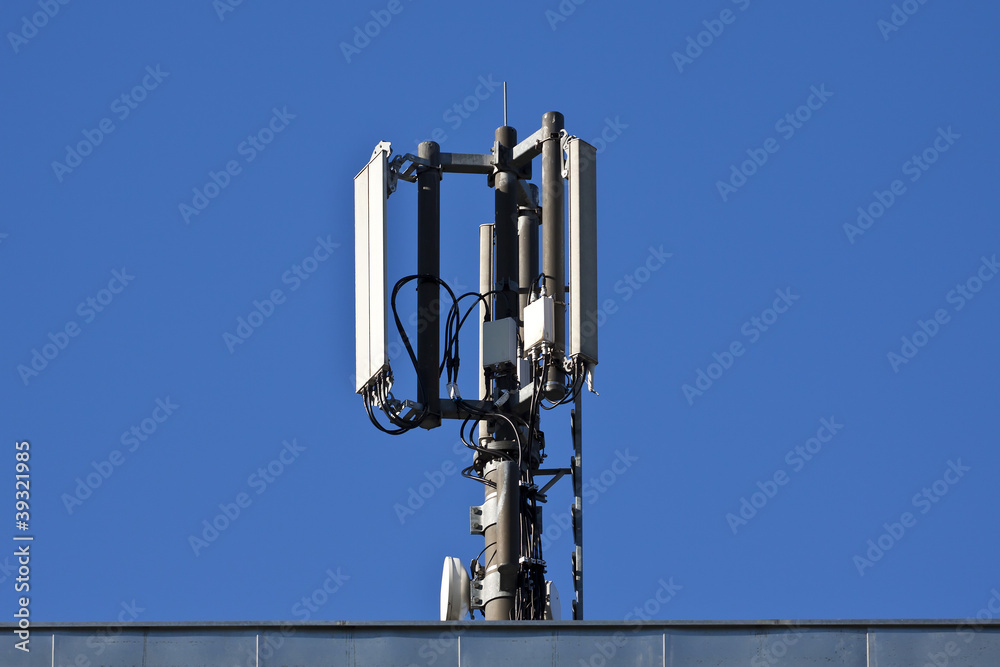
(766,646)
(960,646)
(519,644)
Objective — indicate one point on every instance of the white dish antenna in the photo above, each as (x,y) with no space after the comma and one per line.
(454,590)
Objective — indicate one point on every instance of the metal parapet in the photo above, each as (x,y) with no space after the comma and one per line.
(857,643)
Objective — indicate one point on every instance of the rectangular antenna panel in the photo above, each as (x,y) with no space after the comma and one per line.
(582,195)
(370,195)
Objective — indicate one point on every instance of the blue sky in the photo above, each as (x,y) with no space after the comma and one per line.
(798,246)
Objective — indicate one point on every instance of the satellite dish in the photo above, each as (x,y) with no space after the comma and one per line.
(553,610)
(454,590)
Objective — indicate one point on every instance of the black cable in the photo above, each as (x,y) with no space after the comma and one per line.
(451,360)
(572,388)
(482,450)
(486,482)
(506,294)
(366,396)
(395,418)
(540,278)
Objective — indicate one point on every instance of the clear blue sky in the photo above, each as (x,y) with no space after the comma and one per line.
(742,158)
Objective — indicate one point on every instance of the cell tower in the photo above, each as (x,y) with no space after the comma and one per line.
(527,362)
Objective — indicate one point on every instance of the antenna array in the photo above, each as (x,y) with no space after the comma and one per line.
(527,362)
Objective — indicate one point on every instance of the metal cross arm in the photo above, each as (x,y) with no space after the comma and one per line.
(557,474)
(467,163)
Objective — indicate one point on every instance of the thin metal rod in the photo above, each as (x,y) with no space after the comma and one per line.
(505,103)
(576,420)
(429,291)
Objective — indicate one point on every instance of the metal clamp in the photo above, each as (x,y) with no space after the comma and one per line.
(487,589)
(483,516)
(410,173)
(564,139)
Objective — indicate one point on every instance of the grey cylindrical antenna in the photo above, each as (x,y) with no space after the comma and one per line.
(553,257)
(429,291)
(527,250)
(506,254)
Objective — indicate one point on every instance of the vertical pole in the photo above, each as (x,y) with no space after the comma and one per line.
(553,251)
(506,474)
(507,539)
(429,291)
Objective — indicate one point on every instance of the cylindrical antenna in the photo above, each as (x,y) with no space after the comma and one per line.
(505,103)
(429,291)
(553,243)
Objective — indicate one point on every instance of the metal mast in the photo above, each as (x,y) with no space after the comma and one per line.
(526,360)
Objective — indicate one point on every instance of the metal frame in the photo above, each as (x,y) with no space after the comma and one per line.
(513,260)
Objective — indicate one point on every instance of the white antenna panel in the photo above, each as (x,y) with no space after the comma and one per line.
(371,311)
(582,196)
